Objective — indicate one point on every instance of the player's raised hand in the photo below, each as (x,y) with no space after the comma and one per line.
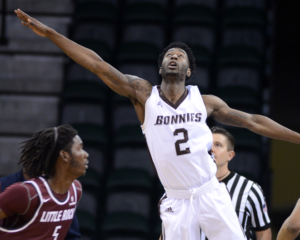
(32,23)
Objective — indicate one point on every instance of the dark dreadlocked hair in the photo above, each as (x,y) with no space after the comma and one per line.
(39,154)
(183,46)
(228,135)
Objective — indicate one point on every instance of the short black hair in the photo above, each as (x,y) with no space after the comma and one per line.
(227,134)
(39,154)
(183,46)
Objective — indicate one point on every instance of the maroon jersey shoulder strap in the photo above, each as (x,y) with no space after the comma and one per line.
(78,189)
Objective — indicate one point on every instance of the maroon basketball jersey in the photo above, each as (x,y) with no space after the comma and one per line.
(52,218)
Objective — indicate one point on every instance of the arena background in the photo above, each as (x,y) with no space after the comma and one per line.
(247,53)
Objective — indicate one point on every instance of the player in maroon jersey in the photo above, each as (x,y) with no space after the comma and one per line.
(43,207)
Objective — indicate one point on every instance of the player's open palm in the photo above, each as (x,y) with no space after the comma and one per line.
(32,23)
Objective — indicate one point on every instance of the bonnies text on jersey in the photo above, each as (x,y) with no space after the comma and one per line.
(179,118)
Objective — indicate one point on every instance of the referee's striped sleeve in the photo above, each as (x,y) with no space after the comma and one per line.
(257,207)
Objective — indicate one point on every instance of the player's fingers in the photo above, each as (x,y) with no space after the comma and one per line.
(23,16)
(23,19)
(19,12)
(29,17)
(25,24)
(22,13)
(31,22)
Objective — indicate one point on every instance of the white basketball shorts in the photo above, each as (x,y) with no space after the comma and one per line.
(209,207)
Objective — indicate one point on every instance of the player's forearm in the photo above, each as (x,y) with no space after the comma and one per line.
(287,234)
(83,56)
(87,58)
(267,127)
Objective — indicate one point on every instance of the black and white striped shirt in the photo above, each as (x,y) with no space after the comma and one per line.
(249,203)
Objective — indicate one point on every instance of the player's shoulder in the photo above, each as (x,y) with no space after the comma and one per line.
(132,78)
(77,185)
(20,188)
(18,185)
(212,100)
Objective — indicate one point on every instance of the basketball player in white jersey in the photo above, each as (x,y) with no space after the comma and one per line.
(173,120)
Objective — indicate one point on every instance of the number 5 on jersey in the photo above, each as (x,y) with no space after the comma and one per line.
(55,233)
(184,140)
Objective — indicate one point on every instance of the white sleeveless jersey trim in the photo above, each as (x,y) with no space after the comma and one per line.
(35,214)
(75,191)
(144,125)
(169,139)
(51,194)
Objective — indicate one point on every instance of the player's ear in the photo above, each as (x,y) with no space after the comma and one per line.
(231,155)
(189,72)
(65,156)
(159,71)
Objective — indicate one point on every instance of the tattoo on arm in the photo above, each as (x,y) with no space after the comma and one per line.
(115,76)
(141,85)
(234,118)
(138,84)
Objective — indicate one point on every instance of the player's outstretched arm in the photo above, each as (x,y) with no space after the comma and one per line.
(291,227)
(126,85)
(221,112)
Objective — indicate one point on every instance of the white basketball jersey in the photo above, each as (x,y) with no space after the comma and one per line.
(179,140)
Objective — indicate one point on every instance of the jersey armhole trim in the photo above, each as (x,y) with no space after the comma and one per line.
(28,193)
(144,125)
(75,192)
(200,95)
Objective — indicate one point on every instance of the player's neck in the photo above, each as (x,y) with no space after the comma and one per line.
(26,177)
(222,173)
(59,186)
(59,183)
(172,90)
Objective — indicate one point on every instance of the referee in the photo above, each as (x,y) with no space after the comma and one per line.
(247,196)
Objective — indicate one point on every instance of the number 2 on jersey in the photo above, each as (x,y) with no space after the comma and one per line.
(184,140)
